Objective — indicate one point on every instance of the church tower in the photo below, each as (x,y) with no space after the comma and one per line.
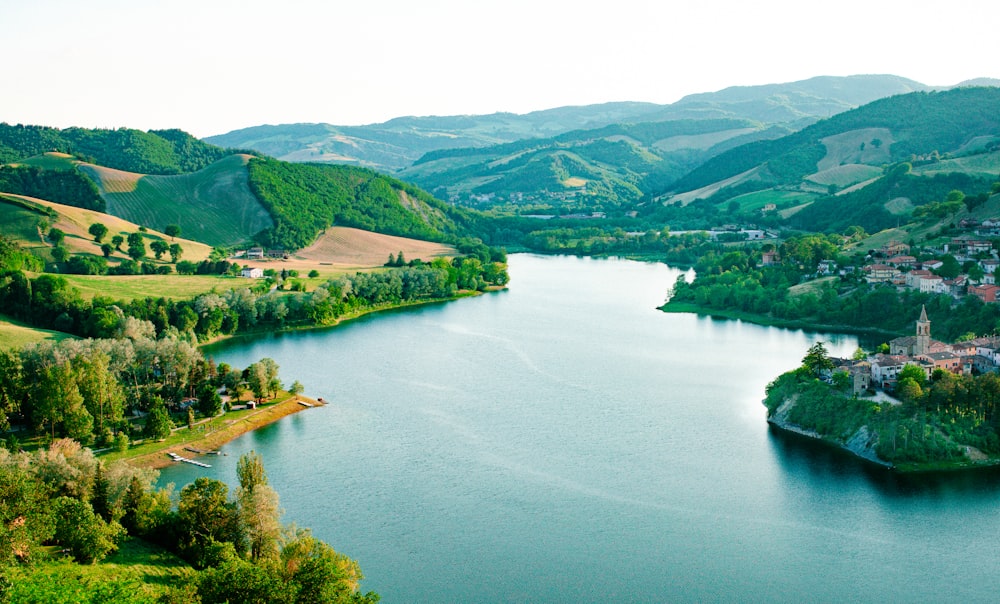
(923,342)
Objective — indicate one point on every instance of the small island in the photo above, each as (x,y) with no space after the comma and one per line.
(916,404)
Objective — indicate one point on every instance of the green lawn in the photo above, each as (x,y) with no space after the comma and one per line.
(138,572)
(14,334)
(130,287)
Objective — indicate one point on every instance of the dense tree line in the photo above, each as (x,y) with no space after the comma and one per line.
(89,389)
(61,186)
(736,281)
(63,496)
(152,152)
(48,301)
(305,199)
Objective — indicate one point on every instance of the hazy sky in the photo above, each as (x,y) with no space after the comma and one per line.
(211,66)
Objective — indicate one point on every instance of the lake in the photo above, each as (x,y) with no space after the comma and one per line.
(564,441)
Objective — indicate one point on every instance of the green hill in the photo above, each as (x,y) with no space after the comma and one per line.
(398,143)
(605,168)
(152,152)
(910,127)
(305,199)
(214,205)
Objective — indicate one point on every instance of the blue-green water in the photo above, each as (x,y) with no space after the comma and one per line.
(564,441)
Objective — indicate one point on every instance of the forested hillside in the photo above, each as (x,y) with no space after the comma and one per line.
(918,123)
(152,152)
(605,168)
(305,199)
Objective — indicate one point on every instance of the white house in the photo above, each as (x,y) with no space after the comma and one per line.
(252,273)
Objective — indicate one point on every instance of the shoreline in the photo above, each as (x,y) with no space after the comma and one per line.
(689,308)
(264,415)
(252,333)
(864,452)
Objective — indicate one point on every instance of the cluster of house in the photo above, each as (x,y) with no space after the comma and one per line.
(881,370)
(903,270)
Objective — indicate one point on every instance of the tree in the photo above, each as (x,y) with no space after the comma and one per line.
(209,401)
(98,230)
(158,424)
(950,268)
(136,246)
(82,532)
(56,236)
(172,230)
(206,517)
(107,249)
(321,573)
(60,254)
(159,247)
(259,511)
(117,241)
(817,360)
(176,251)
(912,372)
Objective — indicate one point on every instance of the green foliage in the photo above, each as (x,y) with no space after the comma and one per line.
(85,534)
(920,122)
(153,152)
(98,230)
(305,199)
(158,423)
(69,188)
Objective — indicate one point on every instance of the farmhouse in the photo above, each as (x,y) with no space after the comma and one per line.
(252,273)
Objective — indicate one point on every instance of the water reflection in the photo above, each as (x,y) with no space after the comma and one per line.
(804,458)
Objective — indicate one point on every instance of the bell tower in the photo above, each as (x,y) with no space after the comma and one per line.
(923,342)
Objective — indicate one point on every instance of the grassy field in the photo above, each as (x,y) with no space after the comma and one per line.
(14,334)
(214,205)
(855,147)
(985,164)
(845,176)
(129,287)
(137,565)
(21,224)
(698,141)
(751,202)
(52,161)
(810,287)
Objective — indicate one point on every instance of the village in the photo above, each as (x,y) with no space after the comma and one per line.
(881,370)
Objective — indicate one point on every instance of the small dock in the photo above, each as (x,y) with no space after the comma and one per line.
(177,457)
(304,404)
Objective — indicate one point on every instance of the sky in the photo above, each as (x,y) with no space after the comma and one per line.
(212,66)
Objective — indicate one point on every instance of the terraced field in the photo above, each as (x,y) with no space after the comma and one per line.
(214,205)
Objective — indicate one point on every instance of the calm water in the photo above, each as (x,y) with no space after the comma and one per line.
(564,441)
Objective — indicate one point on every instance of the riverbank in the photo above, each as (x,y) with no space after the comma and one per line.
(768,321)
(862,444)
(209,435)
(345,318)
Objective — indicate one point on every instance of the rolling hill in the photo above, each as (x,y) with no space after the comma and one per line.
(398,143)
(20,218)
(235,200)
(214,205)
(950,140)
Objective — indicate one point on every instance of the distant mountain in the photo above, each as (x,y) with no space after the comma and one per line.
(398,143)
(867,167)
